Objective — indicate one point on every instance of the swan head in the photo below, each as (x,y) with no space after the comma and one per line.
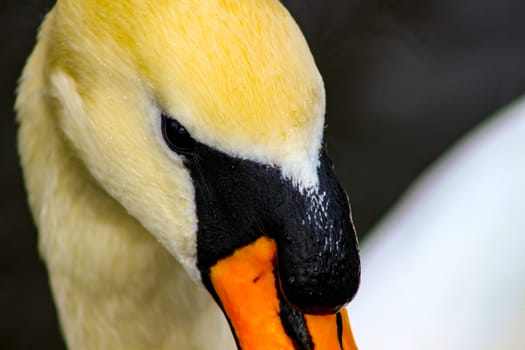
(206,123)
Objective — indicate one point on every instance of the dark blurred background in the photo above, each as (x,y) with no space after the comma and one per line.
(404,80)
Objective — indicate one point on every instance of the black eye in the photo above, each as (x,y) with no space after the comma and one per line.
(176,136)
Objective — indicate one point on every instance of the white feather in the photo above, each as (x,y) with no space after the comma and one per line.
(446,269)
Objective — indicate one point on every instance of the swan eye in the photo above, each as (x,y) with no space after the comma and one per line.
(176,136)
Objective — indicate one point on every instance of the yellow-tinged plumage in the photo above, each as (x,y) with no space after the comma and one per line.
(238,75)
(102,262)
(104,189)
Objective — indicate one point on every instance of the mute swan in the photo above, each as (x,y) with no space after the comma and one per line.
(199,127)
(446,269)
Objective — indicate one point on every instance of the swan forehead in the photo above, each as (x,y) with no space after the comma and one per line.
(238,74)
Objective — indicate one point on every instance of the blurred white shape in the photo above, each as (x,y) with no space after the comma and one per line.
(446,268)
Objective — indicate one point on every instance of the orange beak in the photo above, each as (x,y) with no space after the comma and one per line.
(246,285)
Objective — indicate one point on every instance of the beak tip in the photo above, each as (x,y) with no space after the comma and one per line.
(318,293)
